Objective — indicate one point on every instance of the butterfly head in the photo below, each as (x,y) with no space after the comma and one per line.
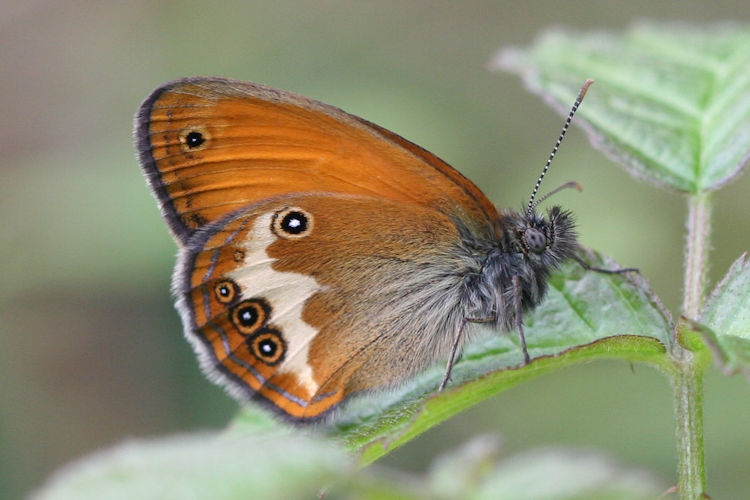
(545,241)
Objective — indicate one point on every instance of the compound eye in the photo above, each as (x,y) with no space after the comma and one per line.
(535,240)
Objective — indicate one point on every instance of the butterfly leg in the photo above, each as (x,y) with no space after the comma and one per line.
(519,325)
(519,317)
(452,358)
(456,343)
(587,267)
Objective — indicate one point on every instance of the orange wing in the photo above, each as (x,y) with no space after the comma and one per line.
(360,291)
(210,146)
(365,294)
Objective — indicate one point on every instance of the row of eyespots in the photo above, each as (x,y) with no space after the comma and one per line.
(250,318)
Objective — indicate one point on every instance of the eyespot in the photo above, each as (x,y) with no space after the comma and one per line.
(535,240)
(250,315)
(268,346)
(226,291)
(194,139)
(292,223)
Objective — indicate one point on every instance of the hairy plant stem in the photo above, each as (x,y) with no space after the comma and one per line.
(687,392)
(687,381)
(696,254)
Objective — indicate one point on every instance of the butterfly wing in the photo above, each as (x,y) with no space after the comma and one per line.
(303,300)
(209,146)
(321,255)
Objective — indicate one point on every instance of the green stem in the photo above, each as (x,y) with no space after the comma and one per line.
(687,390)
(687,381)
(697,245)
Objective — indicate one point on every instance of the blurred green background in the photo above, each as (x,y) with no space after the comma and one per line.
(92,349)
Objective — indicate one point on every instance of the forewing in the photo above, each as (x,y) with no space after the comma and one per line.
(209,146)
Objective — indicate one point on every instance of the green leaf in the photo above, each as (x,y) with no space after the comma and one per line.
(267,462)
(565,475)
(264,462)
(472,472)
(727,315)
(271,461)
(671,102)
(586,316)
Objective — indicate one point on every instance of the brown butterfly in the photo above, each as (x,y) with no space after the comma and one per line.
(321,255)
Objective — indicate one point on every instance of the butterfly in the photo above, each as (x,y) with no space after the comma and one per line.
(321,255)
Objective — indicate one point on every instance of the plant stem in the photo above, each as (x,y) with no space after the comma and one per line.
(687,381)
(696,257)
(687,390)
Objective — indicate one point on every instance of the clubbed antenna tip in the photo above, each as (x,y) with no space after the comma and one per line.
(584,88)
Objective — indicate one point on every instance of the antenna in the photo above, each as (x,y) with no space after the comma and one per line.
(581,94)
(567,185)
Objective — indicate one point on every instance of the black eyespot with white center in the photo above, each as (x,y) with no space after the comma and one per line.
(267,345)
(249,316)
(194,139)
(226,291)
(292,223)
